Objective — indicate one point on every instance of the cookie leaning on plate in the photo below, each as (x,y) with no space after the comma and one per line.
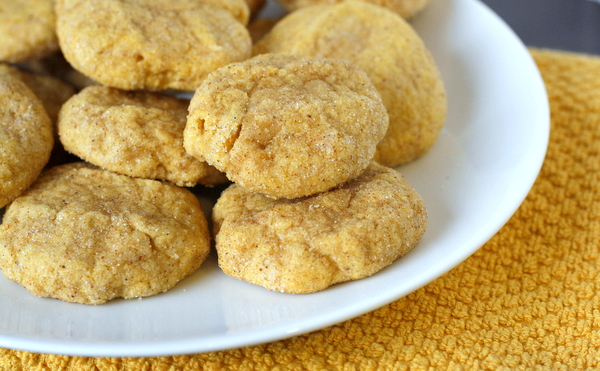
(25,134)
(87,235)
(305,245)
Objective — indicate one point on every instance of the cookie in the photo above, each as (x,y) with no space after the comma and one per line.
(86,235)
(308,244)
(286,126)
(240,9)
(392,54)
(51,91)
(152,44)
(405,8)
(27,29)
(25,134)
(139,134)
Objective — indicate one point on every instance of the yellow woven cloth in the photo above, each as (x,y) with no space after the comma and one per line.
(528,299)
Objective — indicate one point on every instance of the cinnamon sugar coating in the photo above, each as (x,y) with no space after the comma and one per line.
(26,136)
(87,235)
(308,244)
(286,126)
(152,44)
(27,29)
(139,134)
(392,54)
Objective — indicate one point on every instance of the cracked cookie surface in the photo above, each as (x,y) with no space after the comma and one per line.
(392,54)
(152,44)
(87,235)
(286,126)
(27,29)
(305,245)
(26,134)
(139,134)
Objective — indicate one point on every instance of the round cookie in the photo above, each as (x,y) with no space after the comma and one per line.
(139,134)
(25,134)
(405,8)
(286,126)
(152,44)
(392,54)
(27,29)
(87,235)
(308,244)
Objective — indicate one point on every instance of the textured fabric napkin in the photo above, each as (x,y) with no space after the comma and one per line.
(528,299)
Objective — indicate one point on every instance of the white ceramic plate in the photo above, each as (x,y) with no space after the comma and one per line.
(473,180)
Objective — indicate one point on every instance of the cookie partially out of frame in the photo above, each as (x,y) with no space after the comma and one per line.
(286,126)
(405,8)
(27,29)
(305,245)
(25,133)
(152,44)
(87,235)
(50,90)
(139,134)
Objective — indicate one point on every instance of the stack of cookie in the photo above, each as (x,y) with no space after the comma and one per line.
(305,124)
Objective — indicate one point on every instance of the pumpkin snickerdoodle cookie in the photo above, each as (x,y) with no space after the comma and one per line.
(87,235)
(152,44)
(51,91)
(27,29)
(139,134)
(286,126)
(392,54)
(305,245)
(405,8)
(26,136)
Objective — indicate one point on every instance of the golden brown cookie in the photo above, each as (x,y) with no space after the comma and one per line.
(25,134)
(308,244)
(152,44)
(405,8)
(87,235)
(27,29)
(240,9)
(392,54)
(286,126)
(139,134)
(52,91)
